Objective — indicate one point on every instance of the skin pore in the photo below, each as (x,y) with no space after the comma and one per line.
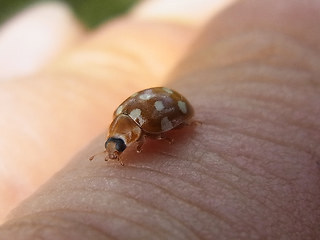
(250,171)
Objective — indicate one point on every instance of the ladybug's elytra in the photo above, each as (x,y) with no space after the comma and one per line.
(148,113)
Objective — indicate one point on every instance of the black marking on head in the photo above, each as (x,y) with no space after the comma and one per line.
(120,145)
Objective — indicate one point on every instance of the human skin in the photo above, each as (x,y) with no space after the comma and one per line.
(250,171)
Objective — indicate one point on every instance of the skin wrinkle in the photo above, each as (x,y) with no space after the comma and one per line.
(249,79)
(67,210)
(225,156)
(228,159)
(108,214)
(277,118)
(203,173)
(233,129)
(207,211)
(294,145)
(279,177)
(147,204)
(268,20)
(111,213)
(189,203)
(304,149)
(38,229)
(86,225)
(114,215)
(273,96)
(144,202)
(224,84)
(287,76)
(262,116)
(216,151)
(266,116)
(283,143)
(235,188)
(223,81)
(282,44)
(285,86)
(213,63)
(286,45)
(26,221)
(283,208)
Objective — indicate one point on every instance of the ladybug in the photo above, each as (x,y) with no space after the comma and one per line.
(149,113)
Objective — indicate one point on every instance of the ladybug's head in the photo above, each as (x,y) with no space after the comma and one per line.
(114,147)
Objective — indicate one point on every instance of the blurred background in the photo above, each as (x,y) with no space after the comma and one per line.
(90,13)
(34,33)
(47,29)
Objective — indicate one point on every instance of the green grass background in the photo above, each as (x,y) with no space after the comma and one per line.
(90,12)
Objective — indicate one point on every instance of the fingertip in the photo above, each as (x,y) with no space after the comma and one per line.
(191,13)
(34,37)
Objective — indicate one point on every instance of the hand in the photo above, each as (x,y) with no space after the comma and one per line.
(251,170)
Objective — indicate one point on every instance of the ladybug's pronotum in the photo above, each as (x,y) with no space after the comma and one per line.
(149,113)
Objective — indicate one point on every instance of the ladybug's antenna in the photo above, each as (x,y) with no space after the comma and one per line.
(93,156)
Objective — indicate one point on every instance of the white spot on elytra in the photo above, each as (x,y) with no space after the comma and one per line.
(146,95)
(135,114)
(119,110)
(182,107)
(167,90)
(159,105)
(166,125)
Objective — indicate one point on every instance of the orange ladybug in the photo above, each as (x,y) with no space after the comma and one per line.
(148,113)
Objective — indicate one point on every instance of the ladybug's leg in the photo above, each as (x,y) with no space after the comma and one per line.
(140,143)
(194,123)
(120,161)
(93,156)
(164,137)
(191,123)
